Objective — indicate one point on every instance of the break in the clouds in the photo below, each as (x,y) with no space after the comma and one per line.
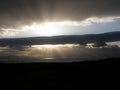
(57,53)
(15,13)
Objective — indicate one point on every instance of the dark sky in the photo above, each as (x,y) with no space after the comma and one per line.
(17,12)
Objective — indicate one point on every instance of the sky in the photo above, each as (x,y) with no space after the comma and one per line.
(58,28)
(28,18)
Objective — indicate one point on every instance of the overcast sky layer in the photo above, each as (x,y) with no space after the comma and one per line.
(81,16)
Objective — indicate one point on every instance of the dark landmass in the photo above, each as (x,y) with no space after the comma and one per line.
(24,59)
(99,39)
(96,74)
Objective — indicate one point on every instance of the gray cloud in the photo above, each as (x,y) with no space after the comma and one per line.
(89,47)
(98,39)
(63,54)
(19,12)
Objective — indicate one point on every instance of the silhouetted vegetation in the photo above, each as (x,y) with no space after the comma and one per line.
(102,73)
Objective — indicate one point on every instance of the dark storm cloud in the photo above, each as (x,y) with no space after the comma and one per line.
(20,12)
(98,39)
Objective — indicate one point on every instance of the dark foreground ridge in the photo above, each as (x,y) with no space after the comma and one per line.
(103,73)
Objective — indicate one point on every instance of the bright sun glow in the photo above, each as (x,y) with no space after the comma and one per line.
(41,29)
(46,29)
